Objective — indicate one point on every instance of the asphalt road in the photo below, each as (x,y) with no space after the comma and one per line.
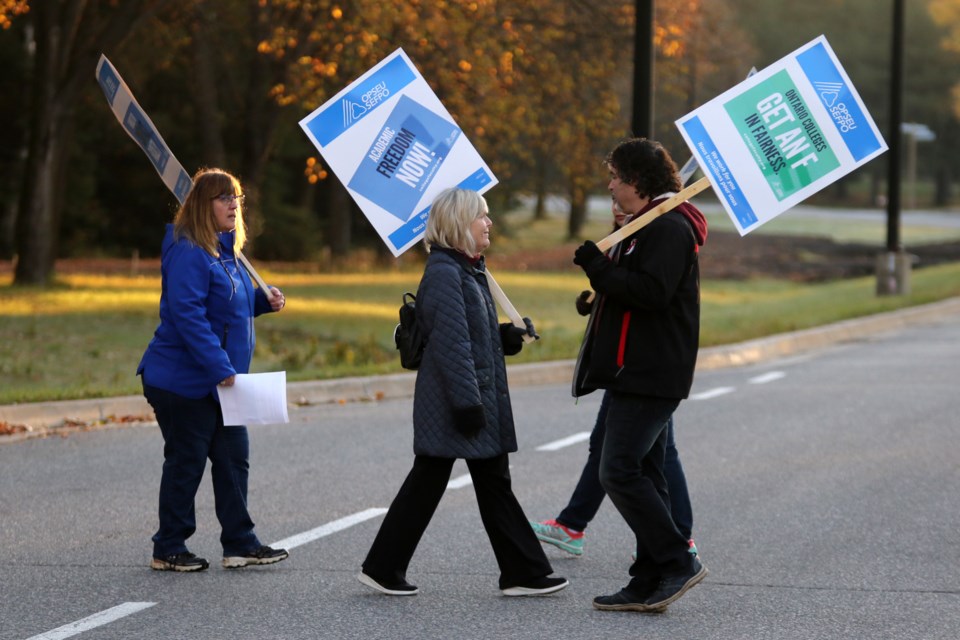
(825,491)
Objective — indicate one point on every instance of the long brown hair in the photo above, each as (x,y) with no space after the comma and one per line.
(195,221)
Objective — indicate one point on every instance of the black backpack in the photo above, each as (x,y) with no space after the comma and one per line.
(407,334)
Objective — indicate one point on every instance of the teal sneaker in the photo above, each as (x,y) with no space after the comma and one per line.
(552,532)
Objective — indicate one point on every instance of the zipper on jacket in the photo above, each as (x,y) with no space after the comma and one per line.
(226,331)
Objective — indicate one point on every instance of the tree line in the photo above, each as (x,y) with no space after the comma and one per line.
(541,87)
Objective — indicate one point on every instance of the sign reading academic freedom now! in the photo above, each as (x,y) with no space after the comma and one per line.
(783,134)
(393,144)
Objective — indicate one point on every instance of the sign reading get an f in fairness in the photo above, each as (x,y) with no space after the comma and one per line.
(781,135)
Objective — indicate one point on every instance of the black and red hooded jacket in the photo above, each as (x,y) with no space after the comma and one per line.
(644,331)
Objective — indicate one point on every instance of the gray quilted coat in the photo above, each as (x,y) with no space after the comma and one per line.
(463,362)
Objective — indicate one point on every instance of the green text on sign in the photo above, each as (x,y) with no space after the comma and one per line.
(782,135)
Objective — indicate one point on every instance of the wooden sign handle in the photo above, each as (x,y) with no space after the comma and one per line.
(653,214)
(650,216)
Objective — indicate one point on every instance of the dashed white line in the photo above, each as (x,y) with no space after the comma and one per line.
(565,442)
(96,620)
(767,377)
(712,393)
(327,529)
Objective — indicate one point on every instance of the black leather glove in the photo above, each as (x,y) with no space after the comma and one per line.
(512,338)
(470,421)
(584,306)
(586,253)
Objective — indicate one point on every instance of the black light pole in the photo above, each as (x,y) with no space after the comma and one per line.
(642,121)
(893,267)
(896,120)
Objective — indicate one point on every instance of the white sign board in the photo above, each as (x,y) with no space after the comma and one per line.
(781,135)
(394,146)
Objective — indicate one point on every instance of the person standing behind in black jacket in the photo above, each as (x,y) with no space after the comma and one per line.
(461,409)
(641,346)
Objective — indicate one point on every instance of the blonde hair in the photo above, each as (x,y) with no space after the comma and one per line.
(451,214)
(194,219)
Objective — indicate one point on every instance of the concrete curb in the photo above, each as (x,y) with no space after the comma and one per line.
(40,417)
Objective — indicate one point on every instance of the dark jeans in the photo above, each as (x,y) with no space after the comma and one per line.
(631,472)
(192,432)
(589,494)
(518,552)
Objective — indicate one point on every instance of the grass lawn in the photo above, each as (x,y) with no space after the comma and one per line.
(84,337)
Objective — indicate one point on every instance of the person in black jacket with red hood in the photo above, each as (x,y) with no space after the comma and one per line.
(641,346)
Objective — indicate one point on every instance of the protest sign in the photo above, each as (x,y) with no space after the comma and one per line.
(138,126)
(783,134)
(394,146)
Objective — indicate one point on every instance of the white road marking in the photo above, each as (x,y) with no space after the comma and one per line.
(96,620)
(712,393)
(767,377)
(327,529)
(565,442)
(460,482)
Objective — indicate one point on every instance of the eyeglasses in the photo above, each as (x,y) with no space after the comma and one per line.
(229,198)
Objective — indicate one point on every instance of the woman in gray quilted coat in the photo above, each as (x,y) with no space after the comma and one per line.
(461,409)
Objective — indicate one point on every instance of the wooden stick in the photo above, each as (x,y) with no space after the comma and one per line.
(256,276)
(653,214)
(650,216)
(507,306)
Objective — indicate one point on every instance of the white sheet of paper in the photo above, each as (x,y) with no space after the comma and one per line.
(255,398)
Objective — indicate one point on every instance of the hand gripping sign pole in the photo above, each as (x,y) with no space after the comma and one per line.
(635,225)
(139,127)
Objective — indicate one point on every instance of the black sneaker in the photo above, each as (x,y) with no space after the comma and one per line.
(403,588)
(671,587)
(625,600)
(537,587)
(261,555)
(185,561)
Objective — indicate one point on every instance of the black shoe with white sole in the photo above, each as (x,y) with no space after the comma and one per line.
(402,588)
(261,555)
(537,587)
(184,561)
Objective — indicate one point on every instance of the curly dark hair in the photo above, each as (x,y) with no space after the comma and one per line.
(646,165)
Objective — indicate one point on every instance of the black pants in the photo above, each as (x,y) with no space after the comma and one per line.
(518,552)
(631,472)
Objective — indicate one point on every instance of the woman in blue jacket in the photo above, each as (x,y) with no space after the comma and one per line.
(205,338)
(461,409)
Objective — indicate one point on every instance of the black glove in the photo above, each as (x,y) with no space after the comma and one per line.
(512,338)
(586,253)
(470,421)
(584,305)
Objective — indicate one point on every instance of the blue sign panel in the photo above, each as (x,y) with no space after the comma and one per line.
(839,101)
(404,158)
(136,123)
(362,99)
(720,175)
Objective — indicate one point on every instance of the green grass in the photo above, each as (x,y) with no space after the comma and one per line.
(84,337)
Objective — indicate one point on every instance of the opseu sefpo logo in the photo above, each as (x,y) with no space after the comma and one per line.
(831,93)
(353,110)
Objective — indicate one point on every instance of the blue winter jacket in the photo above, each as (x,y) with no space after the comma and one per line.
(207,307)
